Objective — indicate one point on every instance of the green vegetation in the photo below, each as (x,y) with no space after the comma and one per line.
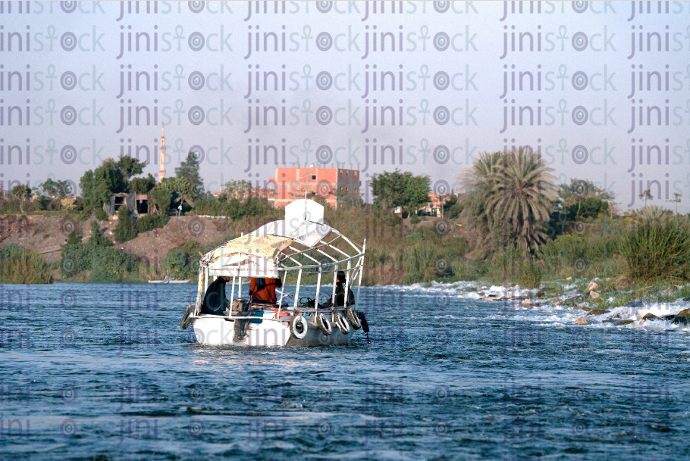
(19,265)
(236,189)
(112,177)
(453,207)
(172,192)
(49,197)
(657,247)
(160,199)
(237,201)
(184,263)
(176,264)
(73,238)
(101,214)
(56,188)
(522,228)
(126,228)
(150,222)
(142,185)
(510,198)
(520,200)
(583,200)
(21,192)
(396,189)
(189,172)
(98,258)
(233,208)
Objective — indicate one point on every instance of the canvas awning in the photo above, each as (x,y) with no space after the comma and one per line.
(244,265)
(265,246)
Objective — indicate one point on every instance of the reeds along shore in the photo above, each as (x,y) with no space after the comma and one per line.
(630,250)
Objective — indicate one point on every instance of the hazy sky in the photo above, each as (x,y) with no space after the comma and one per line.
(581,100)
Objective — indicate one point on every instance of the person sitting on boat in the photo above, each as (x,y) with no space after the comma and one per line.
(215,301)
(263,290)
(340,293)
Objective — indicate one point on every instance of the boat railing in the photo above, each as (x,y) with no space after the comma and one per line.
(298,310)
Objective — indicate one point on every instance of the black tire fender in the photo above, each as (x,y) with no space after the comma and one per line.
(298,323)
(342,323)
(354,319)
(324,324)
(186,318)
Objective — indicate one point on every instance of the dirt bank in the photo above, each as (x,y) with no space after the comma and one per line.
(45,234)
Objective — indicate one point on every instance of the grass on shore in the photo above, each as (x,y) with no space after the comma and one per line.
(399,252)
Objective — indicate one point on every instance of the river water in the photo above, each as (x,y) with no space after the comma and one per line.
(103,371)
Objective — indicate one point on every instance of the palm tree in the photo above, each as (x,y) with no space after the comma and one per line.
(478,183)
(521,198)
(646,194)
(652,213)
(21,192)
(676,199)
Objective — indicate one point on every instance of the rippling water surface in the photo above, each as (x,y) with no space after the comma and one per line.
(91,369)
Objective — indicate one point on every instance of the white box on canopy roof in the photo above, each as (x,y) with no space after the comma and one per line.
(303,222)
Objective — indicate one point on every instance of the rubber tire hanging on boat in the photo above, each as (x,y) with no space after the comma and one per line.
(186,320)
(354,320)
(293,326)
(324,324)
(342,323)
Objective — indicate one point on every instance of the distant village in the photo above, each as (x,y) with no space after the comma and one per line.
(336,186)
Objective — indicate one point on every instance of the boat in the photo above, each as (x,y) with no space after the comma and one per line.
(289,250)
(169,280)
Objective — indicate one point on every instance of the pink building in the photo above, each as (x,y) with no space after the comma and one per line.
(335,185)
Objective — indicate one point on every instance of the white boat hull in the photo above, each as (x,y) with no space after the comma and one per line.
(220,331)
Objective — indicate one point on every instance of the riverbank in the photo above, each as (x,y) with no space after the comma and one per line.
(398,251)
(597,302)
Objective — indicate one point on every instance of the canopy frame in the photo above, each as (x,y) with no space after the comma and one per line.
(248,261)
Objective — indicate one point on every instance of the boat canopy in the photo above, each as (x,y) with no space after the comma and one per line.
(262,252)
(247,256)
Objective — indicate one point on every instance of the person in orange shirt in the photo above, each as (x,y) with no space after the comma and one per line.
(263,290)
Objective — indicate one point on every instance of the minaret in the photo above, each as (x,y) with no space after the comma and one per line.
(161,170)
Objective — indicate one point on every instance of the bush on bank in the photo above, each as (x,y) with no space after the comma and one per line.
(19,265)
